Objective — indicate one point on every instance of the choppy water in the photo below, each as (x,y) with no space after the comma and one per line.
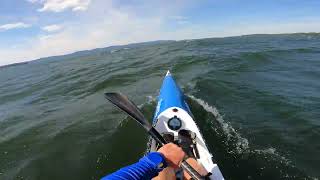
(256,100)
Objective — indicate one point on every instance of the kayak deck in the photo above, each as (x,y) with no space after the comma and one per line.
(173,118)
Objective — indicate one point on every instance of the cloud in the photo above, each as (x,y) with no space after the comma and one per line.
(122,28)
(62,5)
(33,1)
(181,20)
(52,28)
(18,25)
(105,24)
(178,17)
(115,28)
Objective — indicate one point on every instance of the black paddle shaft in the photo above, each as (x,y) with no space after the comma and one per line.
(124,104)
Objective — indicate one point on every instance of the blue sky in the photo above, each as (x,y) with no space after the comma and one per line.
(31,29)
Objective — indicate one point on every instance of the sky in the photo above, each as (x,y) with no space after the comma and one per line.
(31,29)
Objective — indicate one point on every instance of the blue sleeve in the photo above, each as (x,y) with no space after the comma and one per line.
(148,167)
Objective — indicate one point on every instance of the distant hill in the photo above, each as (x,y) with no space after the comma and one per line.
(14,64)
(112,49)
(109,49)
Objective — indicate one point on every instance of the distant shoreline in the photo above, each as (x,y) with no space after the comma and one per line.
(152,42)
(15,64)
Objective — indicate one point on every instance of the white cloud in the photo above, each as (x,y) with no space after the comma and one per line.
(178,17)
(115,28)
(17,25)
(33,1)
(61,5)
(52,28)
(104,25)
(121,28)
(181,20)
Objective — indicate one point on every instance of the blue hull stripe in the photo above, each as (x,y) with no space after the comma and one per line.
(170,96)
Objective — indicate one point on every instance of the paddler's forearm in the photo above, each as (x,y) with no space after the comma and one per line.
(146,168)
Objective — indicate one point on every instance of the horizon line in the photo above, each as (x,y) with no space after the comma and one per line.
(77,51)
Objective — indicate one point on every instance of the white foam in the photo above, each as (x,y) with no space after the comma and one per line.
(266,151)
(150,99)
(273,151)
(242,143)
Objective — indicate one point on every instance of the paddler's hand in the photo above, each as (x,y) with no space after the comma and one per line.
(173,154)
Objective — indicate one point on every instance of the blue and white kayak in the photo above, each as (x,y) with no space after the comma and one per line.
(173,119)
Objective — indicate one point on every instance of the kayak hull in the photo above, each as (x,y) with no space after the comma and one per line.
(172,107)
